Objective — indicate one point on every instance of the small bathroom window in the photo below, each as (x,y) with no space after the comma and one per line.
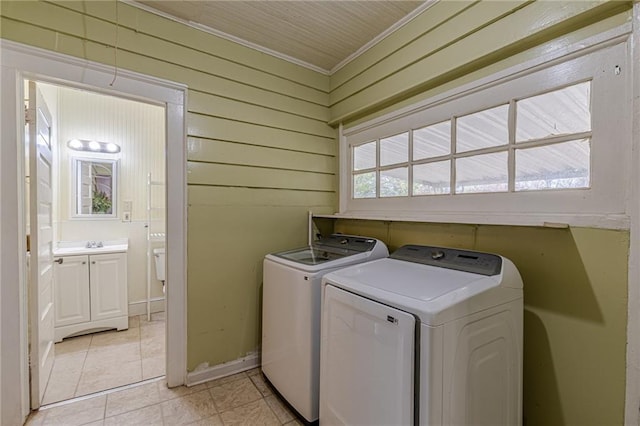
(94,188)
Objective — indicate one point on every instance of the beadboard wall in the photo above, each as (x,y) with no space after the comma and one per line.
(139,129)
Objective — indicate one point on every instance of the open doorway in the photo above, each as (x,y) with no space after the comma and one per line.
(107,232)
(20,62)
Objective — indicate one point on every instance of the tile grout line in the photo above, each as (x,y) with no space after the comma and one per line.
(264,398)
(214,402)
(84,361)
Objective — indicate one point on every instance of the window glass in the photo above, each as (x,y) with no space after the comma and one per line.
(482,173)
(432,178)
(483,129)
(364,185)
(395,149)
(559,166)
(560,112)
(432,141)
(364,156)
(394,182)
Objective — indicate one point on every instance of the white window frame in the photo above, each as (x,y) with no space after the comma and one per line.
(74,185)
(604,204)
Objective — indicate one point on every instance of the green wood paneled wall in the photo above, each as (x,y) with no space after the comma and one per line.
(450,40)
(575,280)
(260,152)
(261,155)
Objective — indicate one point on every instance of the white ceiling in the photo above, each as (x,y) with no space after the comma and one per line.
(323,34)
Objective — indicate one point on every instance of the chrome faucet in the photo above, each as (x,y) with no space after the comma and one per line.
(93,244)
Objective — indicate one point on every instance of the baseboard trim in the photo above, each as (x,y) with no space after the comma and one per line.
(222,370)
(140,308)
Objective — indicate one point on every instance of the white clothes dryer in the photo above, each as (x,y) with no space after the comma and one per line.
(427,336)
(291,313)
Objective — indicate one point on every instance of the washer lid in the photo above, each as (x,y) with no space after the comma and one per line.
(310,255)
(330,248)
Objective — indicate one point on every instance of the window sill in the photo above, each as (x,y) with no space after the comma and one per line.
(604,221)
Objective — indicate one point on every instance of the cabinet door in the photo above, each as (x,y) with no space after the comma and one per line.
(108,276)
(71,290)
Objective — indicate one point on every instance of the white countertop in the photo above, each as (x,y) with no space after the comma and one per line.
(77,248)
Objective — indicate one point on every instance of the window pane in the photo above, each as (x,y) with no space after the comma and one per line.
(394,183)
(394,149)
(482,173)
(560,166)
(561,112)
(364,185)
(483,129)
(364,156)
(432,141)
(432,178)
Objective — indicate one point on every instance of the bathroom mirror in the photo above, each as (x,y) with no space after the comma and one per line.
(94,187)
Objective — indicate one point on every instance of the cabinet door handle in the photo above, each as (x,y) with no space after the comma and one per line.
(84,262)
(93,263)
(59,261)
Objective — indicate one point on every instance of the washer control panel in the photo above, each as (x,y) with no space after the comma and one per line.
(349,243)
(460,260)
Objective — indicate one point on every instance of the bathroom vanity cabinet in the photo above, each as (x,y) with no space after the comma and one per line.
(90,293)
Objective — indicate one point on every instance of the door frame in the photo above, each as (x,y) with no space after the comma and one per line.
(19,62)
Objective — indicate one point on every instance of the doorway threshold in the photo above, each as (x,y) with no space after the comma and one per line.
(100,393)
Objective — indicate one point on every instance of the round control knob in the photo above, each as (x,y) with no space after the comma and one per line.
(437,255)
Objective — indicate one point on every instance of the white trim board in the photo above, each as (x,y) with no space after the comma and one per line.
(619,222)
(207,373)
(632,391)
(386,33)
(229,37)
(24,62)
(140,307)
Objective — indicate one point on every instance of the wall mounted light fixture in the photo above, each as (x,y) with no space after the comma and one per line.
(93,146)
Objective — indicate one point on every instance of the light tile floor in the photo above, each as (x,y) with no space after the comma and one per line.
(242,399)
(100,361)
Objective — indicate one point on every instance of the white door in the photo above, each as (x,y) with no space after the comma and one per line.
(366,362)
(71,276)
(41,308)
(107,275)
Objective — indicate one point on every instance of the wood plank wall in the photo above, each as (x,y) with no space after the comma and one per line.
(260,152)
(575,314)
(451,40)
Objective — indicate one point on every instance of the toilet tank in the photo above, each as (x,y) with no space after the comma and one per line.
(159,256)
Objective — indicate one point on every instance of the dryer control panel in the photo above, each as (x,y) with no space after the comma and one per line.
(460,260)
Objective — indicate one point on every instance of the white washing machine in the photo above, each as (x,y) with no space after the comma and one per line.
(291,313)
(428,336)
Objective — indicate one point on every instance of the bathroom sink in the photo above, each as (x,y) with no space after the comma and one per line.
(71,248)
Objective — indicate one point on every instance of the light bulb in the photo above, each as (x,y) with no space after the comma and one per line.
(75,144)
(112,147)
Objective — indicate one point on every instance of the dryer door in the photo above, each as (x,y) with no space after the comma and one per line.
(366,362)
